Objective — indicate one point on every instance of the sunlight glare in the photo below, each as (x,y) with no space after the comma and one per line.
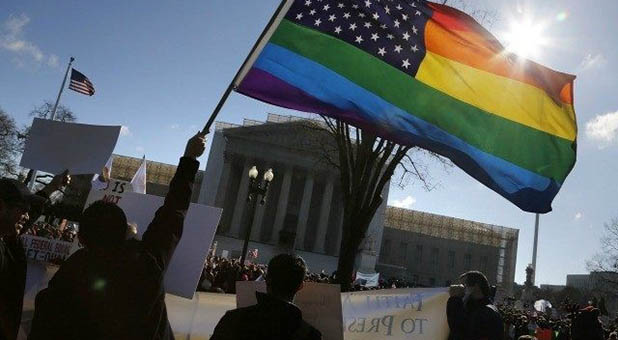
(525,38)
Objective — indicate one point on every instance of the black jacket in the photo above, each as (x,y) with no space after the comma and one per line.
(118,293)
(12,283)
(270,319)
(13,267)
(478,320)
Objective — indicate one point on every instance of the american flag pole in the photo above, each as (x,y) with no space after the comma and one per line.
(274,21)
(52,117)
(64,81)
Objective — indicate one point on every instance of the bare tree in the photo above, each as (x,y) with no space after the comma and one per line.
(366,163)
(10,145)
(63,113)
(605,262)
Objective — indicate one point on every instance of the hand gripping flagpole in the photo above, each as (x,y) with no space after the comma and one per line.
(272,25)
(53,116)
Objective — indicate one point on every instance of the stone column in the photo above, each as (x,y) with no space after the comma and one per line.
(222,188)
(282,204)
(320,238)
(303,215)
(241,200)
(256,229)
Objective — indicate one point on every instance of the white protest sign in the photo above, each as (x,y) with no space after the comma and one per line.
(367,280)
(54,146)
(112,193)
(320,304)
(201,222)
(418,313)
(43,249)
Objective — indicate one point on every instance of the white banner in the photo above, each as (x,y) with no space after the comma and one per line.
(43,249)
(54,146)
(367,280)
(393,314)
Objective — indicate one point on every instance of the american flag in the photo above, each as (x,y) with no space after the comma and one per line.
(80,83)
(392,30)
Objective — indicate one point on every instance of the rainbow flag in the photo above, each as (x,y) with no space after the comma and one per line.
(423,74)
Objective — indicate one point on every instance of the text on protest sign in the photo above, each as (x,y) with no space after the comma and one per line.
(43,249)
(113,193)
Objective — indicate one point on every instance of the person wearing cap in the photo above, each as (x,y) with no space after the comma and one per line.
(470,312)
(16,202)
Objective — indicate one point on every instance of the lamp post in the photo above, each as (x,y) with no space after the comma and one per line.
(255,190)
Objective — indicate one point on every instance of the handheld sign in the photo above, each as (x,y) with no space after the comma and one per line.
(54,146)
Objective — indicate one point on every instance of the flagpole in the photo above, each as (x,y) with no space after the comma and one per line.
(534,250)
(64,81)
(256,48)
(53,116)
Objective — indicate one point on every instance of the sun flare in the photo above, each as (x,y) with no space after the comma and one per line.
(525,38)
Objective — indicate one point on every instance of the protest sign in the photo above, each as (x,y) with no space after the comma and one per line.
(201,222)
(54,146)
(367,280)
(320,304)
(43,249)
(418,313)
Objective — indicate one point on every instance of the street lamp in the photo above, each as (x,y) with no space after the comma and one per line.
(255,190)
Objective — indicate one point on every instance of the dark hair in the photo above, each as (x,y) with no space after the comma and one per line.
(473,278)
(285,274)
(103,224)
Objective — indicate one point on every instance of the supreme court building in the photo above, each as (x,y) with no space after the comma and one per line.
(303,209)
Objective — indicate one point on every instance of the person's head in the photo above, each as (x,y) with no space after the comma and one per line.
(102,225)
(15,201)
(285,275)
(476,284)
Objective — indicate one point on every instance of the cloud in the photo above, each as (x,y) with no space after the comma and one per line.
(139,149)
(591,62)
(12,39)
(578,215)
(603,128)
(174,126)
(52,60)
(125,132)
(405,203)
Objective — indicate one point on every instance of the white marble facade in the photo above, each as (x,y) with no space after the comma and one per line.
(303,210)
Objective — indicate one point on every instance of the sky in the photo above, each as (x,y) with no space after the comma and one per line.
(159,69)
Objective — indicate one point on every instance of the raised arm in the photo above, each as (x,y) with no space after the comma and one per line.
(165,230)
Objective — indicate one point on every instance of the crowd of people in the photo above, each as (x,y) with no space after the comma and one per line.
(570,322)
(220,275)
(47,230)
(113,286)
